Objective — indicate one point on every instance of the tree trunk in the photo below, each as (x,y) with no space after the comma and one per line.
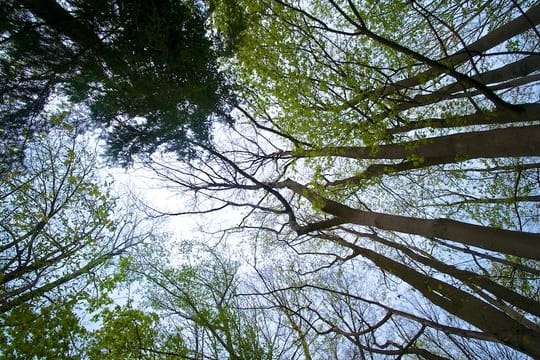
(467,277)
(518,69)
(462,304)
(517,26)
(522,244)
(507,142)
(62,21)
(530,113)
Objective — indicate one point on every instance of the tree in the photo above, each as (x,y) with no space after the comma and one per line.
(146,69)
(358,143)
(58,230)
(200,308)
(124,333)
(384,159)
(49,332)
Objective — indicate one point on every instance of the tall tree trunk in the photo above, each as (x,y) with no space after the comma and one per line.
(507,142)
(518,69)
(62,21)
(418,154)
(467,277)
(498,36)
(59,19)
(458,302)
(522,244)
(530,113)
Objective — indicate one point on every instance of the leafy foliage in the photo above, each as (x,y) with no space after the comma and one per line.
(146,69)
(51,332)
(384,165)
(198,303)
(59,240)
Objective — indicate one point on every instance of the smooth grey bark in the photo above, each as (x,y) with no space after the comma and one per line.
(518,69)
(505,142)
(530,112)
(476,280)
(457,302)
(522,244)
(490,40)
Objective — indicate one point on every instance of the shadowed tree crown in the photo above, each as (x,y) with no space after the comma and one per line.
(147,70)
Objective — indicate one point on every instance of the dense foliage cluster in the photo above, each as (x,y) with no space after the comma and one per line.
(146,70)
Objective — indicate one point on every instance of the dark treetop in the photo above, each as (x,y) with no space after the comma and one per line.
(145,69)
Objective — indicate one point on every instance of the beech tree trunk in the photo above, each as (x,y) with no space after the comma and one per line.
(507,142)
(460,303)
(522,244)
(517,26)
(530,113)
(417,154)
(516,70)
(501,292)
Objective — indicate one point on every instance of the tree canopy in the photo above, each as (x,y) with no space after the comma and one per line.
(61,243)
(147,70)
(376,197)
